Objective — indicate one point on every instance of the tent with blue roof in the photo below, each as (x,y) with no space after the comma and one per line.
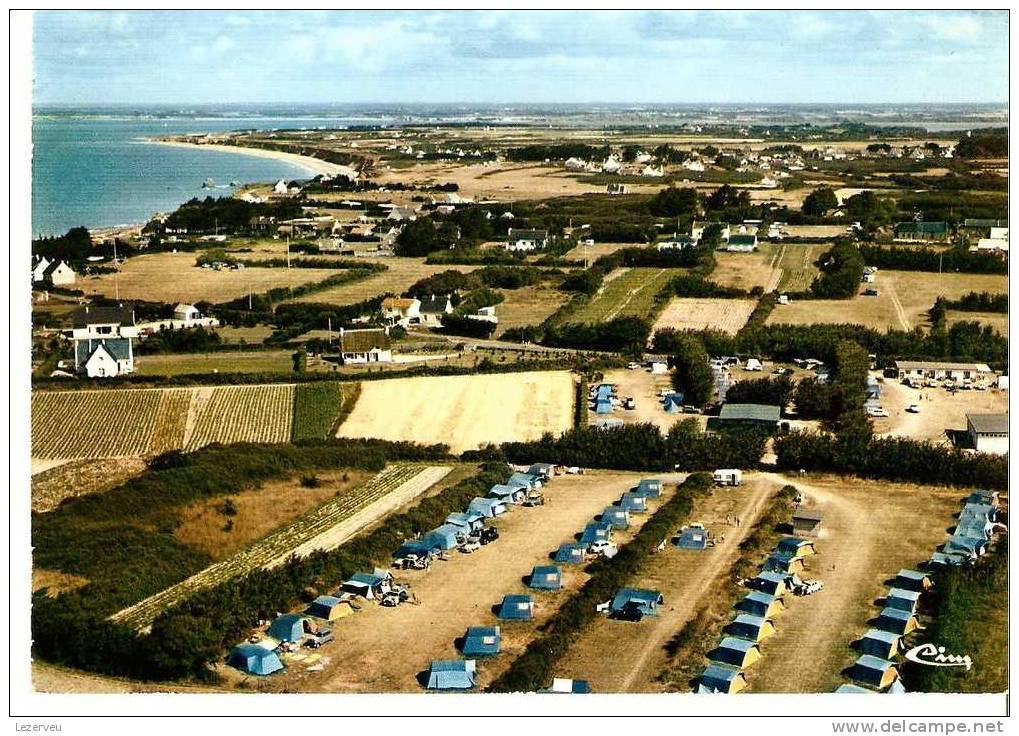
(368,584)
(288,627)
(981,496)
(649,488)
(874,671)
(528,481)
(444,537)
(470,521)
(718,678)
(904,600)
(481,641)
(619,518)
(570,553)
(735,652)
(971,546)
(692,538)
(603,406)
(633,503)
(753,628)
(644,599)
(913,580)
(254,659)
(768,581)
(982,511)
(778,562)
(877,643)
(418,547)
(507,494)
(329,607)
(949,559)
(757,603)
(516,608)
(565,686)
(451,674)
(595,532)
(896,621)
(795,547)
(487,507)
(546,577)
(672,407)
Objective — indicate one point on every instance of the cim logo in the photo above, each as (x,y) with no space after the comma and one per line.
(934,656)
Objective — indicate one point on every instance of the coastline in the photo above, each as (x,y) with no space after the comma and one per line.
(314,166)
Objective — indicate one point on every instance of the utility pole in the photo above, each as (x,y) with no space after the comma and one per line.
(329,330)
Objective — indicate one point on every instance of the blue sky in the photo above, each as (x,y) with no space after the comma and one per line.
(519,56)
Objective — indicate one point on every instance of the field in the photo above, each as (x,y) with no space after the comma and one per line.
(746,270)
(992,319)
(140,422)
(591,253)
(173,277)
(402,273)
(870,531)
(627,292)
(796,264)
(527,306)
(726,315)
(253,361)
(328,526)
(80,477)
(464,412)
(903,299)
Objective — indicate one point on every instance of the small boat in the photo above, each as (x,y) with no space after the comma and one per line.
(208,184)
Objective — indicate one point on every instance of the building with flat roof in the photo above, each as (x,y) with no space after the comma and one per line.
(988,432)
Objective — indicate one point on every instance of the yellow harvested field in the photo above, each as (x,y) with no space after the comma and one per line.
(995,320)
(746,270)
(463,412)
(402,273)
(725,315)
(240,414)
(594,252)
(173,277)
(527,306)
(903,299)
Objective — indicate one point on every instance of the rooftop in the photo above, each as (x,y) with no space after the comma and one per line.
(988,423)
(751,412)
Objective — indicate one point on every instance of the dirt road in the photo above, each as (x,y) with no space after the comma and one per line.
(682,577)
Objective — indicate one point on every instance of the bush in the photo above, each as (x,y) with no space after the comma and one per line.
(693,371)
(841,272)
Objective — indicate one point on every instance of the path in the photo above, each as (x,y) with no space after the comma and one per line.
(899,311)
(776,271)
(632,293)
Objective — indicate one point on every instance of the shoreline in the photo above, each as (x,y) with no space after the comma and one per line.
(314,166)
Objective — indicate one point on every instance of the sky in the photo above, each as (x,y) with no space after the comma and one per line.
(202,57)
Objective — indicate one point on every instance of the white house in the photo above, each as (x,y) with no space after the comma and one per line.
(186,312)
(59,274)
(524,240)
(988,432)
(39,268)
(359,347)
(693,165)
(653,172)
(281,187)
(576,164)
(401,311)
(675,242)
(434,307)
(103,341)
(611,166)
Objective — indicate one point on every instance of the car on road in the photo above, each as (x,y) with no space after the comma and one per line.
(877,411)
(913,409)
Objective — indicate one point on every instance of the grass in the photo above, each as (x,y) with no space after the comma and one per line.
(316,407)
(526,306)
(256,361)
(627,293)
(797,264)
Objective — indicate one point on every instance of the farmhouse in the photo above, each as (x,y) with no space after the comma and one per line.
(988,432)
(400,311)
(570,553)
(752,628)
(761,604)
(924,232)
(874,671)
(58,273)
(748,415)
(718,678)
(877,643)
(807,521)
(545,577)
(647,601)
(39,266)
(481,641)
(525,240)
(912,369)
(735,652)
(254,659)
(675,242)
(103,341)
(451,674)
(359,347)
(516,608)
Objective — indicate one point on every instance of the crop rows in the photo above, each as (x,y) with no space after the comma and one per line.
(630,294)
(244,414)
(276,546)
(72,424)
(316,406)
(171,420)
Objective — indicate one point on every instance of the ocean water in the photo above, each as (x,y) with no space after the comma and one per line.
(100,172)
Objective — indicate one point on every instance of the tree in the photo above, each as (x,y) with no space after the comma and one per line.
(419,238)
(673,202)
(819,202)
(728,197)
(300,359)
(693,372)
(869,208)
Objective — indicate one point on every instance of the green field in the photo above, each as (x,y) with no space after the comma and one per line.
(255,361)
(626,293)
(316,407)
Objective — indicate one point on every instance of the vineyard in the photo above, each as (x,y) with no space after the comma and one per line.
(325,528)
(138,422)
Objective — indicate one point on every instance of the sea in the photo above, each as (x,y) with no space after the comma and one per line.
(97,167)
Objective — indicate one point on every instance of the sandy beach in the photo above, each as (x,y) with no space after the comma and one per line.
(314,166)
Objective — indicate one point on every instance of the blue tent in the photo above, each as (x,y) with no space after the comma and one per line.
(770,582)
(618,517)
(896,621)
(469,521)
(507,493)
(288,627)
(720,678)
(481,641)
(528,481)
(646,600)
(604,390)
(419,547)
(856,689)
(633,503)
(595,532)
(649,487)
(942,558)
(546,577)
(564,686)
(570,553)
(959,544)
(444,537)
(254,659)
(695,539)
(516,608)
(757,603)
(671,407)
(451,674)
(603,406)
(487,507)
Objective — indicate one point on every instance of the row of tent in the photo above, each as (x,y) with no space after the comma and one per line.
(459,525)
(603,398)
(875,669)
(753,621)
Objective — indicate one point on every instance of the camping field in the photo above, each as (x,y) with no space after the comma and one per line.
(627,292)
(464,412)
(726,315)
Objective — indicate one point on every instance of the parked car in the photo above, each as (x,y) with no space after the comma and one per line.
(870,292)
(390,600)
(629,403)
(470,546)
(600,547)
(630,612)
(633,366)
(324,636)
(489,534)
(913,409)
(808,587)
(877,411)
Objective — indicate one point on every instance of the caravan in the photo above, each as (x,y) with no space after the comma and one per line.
(728,477)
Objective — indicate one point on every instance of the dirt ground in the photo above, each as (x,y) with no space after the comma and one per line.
(682,577)
(464,412)
(645,389)
(726,315)
(591,253)
(940,410)
(870,530)
(173,277)
(402,273)
(903,299)
(392,646)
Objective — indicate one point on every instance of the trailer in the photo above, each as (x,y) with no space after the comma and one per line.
(728,477)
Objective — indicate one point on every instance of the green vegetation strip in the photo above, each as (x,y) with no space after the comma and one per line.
(316,408)
(275,545)
(970,611)
(689,648)
(535,668)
